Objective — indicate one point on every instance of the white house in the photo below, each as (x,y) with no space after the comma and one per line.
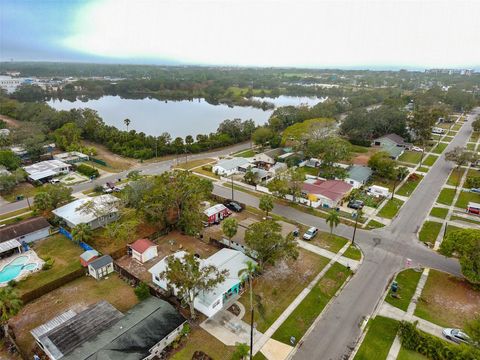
(71,157)
(45,170)
(101,267)
(358,175)
(210,302)
(229,167)
(143,250)
(101,212)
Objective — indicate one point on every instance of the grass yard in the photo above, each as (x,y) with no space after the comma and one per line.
(464,219)
(116,163)
(474,136)
(359,149)
(447,138)
(206,173)
(470,146)
(446,196)
(245,153)
(429,232)
(456,127)
(391,208)
(77,295)
(465,197)
(405,354)
(447,301)
(430,160)
(201,340)
(451,228)
(14,213)
(66,259)
(194,163)
(26,189)
(278,286)
(423,169)
(310,308)
(451,133)
(353,253)
(412,157)
(379,339)
(332,243)
(439,148)
(307,170)
(410,185)
(455,176)
(472,173)
(22,216)
(407,283)
(440,213)
(373,224)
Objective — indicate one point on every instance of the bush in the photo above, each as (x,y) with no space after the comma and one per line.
(87,170)
(433,347)
(142,291)
(98,188)
(47,265)
(207,168)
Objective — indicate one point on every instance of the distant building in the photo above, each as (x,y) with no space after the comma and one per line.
(101,267)
(358,175)
(71,157)
(10,84)
(210,302)
(393,144)
(46,170)
(102,212)
(229,167)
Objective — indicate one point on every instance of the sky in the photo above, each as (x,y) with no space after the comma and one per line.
(293,33)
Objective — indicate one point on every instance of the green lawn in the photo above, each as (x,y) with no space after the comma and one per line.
(439,148)
(472,173)
(407,283)
(332,243)
(410,185)
(451,228)
(308,310)
(477,222)
(201,340)
(66,259)
(465,197)
(447,138)
(471,146)
(379,339)
(307,170)
(447,301)
(373,224)
(429,232)
(405,354)
(474,136)
(353,253)
(391,208)
(423,169)
(446,196)
(412,157)
(278,286)
(245,153)
(359,149)
(22,216)
(455,176)
(194,163)
(25,189)
(456,127)
(439,212)
(430,160)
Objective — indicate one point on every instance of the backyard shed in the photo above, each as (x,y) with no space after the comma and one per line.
(216,213)
(143,250)
(101,267)
(87,257)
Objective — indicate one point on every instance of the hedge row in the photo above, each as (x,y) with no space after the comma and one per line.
(433,347)
(52,285)
(87,170)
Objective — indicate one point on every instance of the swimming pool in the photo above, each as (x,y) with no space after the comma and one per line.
(15,267)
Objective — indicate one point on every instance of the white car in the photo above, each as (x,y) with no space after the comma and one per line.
(456,335)
(54,181)
(416,148)
(310,233)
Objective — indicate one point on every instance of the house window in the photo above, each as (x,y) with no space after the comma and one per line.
(216,303)
(157,278)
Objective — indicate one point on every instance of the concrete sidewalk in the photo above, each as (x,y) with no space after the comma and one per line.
(354,264)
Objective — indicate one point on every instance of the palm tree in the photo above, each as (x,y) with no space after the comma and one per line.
(10,304)
(82,233)
(249,271)
(332,220)
(127,122)
(229,227)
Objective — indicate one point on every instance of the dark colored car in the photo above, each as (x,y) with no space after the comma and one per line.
(234,206)
(355,204)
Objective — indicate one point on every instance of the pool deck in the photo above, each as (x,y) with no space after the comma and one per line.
(32,259)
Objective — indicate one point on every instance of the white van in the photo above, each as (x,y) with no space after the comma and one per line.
(437,130)
(378,191)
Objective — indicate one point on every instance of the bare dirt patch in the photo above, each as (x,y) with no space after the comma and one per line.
(176,241)
(10,121)
(115,162)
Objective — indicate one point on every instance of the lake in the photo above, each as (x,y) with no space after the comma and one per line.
(178,118)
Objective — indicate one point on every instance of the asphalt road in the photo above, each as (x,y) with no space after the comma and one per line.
(153,168)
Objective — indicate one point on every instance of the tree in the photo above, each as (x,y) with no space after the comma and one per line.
(250,177)
(230,227)
(52,196)
(476,124)
(127,123)
(7,183)
(10,303)
(262,136)
(82,233)
(333,219)
(42,201)
(266,203)
(68,135)
(421,124)
(279,187)
(400,174)
(472,328)
(9,159)
(241,351)
(250,271)
(330,151)
(461,157)
(466,244)
(188,277)
(295,177)
(267,244)
(382,165)
(142,291)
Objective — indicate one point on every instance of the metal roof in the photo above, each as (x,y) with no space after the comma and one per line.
(231,164)
(72,214)
(52,324)
(215,209)
(9,245)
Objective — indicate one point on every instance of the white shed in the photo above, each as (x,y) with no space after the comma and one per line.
(143,250)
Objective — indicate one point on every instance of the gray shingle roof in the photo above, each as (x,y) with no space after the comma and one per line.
(23,228)
(101,262)
(359,173)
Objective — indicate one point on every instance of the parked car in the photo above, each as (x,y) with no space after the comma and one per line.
(417,149)
(456,335)
(233,205)
(355,204)
(475,190)
(310,233)
(54,181)
(107,189)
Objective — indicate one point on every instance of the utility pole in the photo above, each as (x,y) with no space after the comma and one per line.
(358,214)
(231,178)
